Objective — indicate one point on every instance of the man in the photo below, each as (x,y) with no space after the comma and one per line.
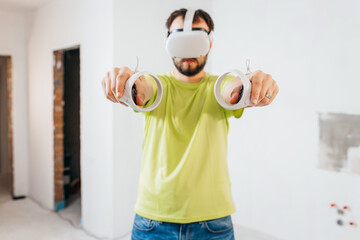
(184,188)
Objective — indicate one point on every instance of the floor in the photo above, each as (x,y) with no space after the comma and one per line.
(26,219)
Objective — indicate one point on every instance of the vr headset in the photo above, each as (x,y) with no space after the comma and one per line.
(188,42)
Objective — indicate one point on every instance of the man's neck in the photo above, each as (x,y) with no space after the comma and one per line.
(193,79)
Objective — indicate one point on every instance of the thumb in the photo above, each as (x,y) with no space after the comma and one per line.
(234,97)
(138,94)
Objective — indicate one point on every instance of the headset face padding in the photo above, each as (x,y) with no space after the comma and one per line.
(192,44)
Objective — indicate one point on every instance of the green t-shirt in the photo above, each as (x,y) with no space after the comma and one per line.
(184,174)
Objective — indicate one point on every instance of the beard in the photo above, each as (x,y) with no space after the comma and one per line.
(188,70)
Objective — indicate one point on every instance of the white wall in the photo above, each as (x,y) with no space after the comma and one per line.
(13,42)
(311,49)
(139,31)
(59,25)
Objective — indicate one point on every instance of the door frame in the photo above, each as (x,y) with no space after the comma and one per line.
(58,116)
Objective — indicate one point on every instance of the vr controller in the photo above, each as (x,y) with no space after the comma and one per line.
(130,92)
(245,92)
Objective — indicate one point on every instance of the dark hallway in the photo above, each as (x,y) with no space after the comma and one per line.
(72,179)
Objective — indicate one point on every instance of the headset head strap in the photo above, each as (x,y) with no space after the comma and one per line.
(189,17)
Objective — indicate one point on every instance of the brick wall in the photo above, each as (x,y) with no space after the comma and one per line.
(58,127)
(10,122)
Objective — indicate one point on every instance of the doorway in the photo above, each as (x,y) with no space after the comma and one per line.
(67,133)
(6,136)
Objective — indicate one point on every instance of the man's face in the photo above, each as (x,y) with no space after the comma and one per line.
(189,66)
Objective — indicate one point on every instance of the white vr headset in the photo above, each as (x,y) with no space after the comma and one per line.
(188,42)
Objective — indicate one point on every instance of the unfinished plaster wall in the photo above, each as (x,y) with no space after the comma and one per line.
(339,142)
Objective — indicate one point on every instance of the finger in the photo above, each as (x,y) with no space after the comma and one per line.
(109,93)
(112,76)
(256,82)
(124,74)
(275,92)
(266,101)
(272,92)
(235,88)
(234,97)
(140,91)
(118,87)
(139,100)
(266,87)
(103,85)
(123,103)
(140,97)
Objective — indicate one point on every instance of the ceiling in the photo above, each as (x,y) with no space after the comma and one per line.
(21,5)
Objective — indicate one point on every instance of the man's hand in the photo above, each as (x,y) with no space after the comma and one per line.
(113,85)
(263,88)
(262,85)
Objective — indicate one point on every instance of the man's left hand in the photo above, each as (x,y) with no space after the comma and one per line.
(263,88)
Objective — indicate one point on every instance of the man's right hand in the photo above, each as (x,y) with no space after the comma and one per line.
(113,85)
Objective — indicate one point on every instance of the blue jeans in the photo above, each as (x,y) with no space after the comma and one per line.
(215,229)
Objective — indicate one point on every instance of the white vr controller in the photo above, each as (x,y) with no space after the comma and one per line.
(188,42)
(130,94)
(244,98)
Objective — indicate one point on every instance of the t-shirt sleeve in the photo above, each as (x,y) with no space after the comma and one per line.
(234,113)
(231,113)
